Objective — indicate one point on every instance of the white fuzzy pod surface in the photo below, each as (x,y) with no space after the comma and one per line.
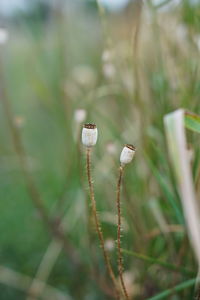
(127,155)
(89,136)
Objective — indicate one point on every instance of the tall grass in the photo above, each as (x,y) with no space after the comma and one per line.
(127,76)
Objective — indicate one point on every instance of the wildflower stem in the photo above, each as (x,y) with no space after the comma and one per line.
(119,250)
(97,223)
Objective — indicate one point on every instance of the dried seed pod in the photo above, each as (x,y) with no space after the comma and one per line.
(127,154)
(89,135)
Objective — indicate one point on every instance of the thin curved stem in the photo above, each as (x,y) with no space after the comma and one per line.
(177,288)
(98,225)
(119,250)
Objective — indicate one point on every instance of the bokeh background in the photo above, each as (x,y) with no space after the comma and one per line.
(122,65)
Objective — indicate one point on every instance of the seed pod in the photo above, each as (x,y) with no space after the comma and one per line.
(89,135)
(127,154)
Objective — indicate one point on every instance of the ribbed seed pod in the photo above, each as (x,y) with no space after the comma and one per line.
(89,134)
(127,154)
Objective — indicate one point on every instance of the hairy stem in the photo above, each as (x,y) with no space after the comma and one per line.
(119,251)
(98,225)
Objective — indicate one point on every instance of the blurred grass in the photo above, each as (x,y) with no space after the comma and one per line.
(52,69)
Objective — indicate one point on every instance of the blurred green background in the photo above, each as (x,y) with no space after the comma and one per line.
(122,65)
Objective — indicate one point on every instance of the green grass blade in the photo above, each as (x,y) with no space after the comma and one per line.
(192,121)
(175,289)
(177,145)
(152,260)
(167,191)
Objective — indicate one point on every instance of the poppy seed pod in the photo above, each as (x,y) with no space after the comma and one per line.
(127,154)
(89,135)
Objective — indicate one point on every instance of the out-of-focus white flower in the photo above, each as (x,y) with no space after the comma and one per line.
(106,56)
(127,154)
(132,288)
(109,244)
(111,148)
(80,115)
(3,36)
(109,70)
(89,135)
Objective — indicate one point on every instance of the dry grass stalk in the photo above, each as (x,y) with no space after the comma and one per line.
(22,282)
(126,157)
(120,260)
(98,225)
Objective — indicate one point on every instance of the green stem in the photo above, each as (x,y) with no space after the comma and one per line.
(175,289)
(158,262)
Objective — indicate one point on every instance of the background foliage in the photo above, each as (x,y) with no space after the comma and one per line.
(126,70)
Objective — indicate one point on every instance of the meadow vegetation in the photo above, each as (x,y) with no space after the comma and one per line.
(124,72)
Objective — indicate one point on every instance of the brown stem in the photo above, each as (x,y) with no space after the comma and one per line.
(98,225)
(119,252)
